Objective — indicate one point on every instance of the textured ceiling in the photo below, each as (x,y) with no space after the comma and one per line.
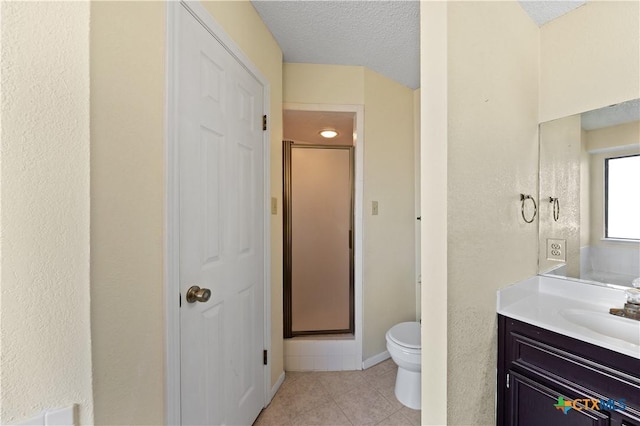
(380,35)
(624,112)
(544,11)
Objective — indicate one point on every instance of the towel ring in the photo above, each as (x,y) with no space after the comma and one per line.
(523,198)
(556,208)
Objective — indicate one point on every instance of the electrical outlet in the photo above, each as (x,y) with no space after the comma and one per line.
(374,208)
(556,250)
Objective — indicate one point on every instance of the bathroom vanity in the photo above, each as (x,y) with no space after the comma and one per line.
(562,359)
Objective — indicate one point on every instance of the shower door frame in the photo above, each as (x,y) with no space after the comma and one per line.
(287,146)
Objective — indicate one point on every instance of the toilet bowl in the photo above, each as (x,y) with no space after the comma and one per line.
(404,346)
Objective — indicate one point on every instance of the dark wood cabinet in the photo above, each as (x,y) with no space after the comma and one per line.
(533,403)
(540,372)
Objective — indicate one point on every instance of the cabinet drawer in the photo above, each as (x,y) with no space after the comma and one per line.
(592,376)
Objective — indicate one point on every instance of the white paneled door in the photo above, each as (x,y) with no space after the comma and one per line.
(221,174)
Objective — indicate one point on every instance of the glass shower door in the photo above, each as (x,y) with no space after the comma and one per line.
(319,249)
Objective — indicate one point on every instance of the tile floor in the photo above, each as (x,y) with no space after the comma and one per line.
(339,398)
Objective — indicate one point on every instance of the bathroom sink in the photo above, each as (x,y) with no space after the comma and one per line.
(605,324)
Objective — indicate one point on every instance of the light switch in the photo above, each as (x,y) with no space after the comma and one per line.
(274,205)
(374,208)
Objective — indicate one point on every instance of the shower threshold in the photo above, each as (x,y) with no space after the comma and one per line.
(341,336)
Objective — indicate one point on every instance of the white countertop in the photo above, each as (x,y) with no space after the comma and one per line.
(541,301)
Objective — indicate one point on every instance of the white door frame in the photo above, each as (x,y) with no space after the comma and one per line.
(172,207)
(358,211)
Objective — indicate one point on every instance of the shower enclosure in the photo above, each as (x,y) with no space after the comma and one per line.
(318,239)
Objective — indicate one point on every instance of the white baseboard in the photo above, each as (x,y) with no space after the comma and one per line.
(275,387)
(376,359)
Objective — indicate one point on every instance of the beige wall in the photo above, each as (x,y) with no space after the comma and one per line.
(560,174)
(492,158)
(127,190)
(323,84)
(622,135)
(416,173)
(433,209)
(389,264)
(127,146)
(389,248)
(44,211)
(613,137)
(589,58)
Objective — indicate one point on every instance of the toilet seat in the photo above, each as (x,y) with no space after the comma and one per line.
(405,348)
(406,334)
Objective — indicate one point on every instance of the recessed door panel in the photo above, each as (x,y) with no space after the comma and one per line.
(246,340)
(534,404)
(245,198)
(211,171)
(211,78)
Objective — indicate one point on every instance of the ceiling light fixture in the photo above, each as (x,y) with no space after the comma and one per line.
(328,133)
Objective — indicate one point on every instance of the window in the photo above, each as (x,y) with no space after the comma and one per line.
(622,197)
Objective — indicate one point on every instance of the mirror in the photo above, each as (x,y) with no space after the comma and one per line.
(589,196)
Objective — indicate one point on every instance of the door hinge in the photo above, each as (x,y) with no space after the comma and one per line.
(264,357)
(507,380)
(264,122)
(180,300)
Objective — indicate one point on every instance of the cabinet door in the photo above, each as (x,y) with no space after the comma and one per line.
(623,419)
(533,404)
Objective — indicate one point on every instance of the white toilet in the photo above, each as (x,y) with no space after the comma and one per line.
(404,346)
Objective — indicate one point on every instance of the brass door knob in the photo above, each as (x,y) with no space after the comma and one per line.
(197,294)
